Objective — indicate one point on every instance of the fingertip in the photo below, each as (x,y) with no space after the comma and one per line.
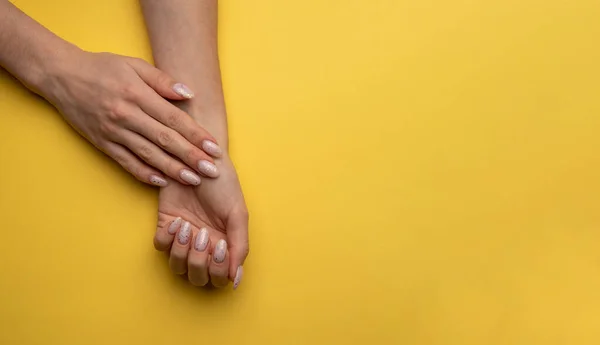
(220,252)
(212,148)
(183,91)
(239,273)
(165,234)
(237,257)
(158,181)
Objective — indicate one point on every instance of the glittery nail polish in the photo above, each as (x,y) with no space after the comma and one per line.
(201,240)
(158,181)
(174,226)
(208,169)
(190,177)
(183,237)
(220,251)
(212,148)
(183,90)
(238,277)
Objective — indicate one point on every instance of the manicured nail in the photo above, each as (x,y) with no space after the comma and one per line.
(238,277)
(212,148)
(158,181)
(201,240)
(208,169)
(174,226)
(183,237)
(190,177)
(220,251)
(183,90)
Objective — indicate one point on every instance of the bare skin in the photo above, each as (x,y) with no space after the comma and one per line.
(183,35)
(218,207)
(116,102)
(119,104)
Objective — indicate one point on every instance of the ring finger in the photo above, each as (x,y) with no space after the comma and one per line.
(157,158)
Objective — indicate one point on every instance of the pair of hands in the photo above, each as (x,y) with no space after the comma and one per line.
(120,105)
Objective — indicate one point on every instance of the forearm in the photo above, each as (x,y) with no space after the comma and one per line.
(183,35)
(29,51)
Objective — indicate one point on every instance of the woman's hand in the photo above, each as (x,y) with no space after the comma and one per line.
(205,228)
(118,103)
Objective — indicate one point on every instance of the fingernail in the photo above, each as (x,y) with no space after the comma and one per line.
(183,90)
(183,237)
(208,169)
(201,240)
(190,177)
(174,226)
(158,181)
(212,148)
(220,250)
(238,277)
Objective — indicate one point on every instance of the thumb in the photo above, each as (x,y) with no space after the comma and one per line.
(160,81)
(237,237)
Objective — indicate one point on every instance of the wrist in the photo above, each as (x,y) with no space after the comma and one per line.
(45,75)
(212,120)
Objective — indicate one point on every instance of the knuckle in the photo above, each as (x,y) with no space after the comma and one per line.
(192,155)
(129,91)
(196,279)
(242,212)
(219,280)
(197,264)
(145,153)
(137,60)
(161,244)
(246,249)
(172,168)
(176,266)
(196,137)
(164,139)
(117,112)
(200,282)
(122,160)
(162,79)
(174,119)
(107,130)
(178,256)
(138,172)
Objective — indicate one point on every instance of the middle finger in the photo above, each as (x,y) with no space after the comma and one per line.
(180,248)
(177,119)
(198,258)
(158,158)
(172,142)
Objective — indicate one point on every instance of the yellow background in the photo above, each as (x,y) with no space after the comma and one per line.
(417,171)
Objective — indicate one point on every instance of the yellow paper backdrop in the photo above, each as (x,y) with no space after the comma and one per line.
(417,171)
